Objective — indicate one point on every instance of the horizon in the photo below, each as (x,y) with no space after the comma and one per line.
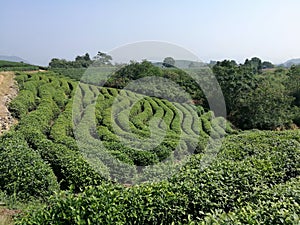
(150,60)
(215,30)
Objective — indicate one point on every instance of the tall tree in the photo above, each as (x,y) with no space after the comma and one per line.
(265,107)
(59,63)
(169,62)
(228,77)
(86,57)
(293,83)
(267,65)
(255,64)
(235,80)
(103,58)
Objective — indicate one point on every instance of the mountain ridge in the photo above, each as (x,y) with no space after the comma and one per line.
(13,59)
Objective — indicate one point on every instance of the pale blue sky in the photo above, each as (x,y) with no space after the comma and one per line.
(213,29)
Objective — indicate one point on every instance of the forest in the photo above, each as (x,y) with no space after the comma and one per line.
(103,143)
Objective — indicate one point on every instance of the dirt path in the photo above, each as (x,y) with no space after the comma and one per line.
(8,90)
(6,216)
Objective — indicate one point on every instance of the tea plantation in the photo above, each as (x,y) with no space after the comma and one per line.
(99,155)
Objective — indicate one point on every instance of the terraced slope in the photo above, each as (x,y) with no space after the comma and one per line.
(87,134)
(80,138)
(139,130)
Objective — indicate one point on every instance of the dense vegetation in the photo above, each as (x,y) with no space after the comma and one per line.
(75,141)
(245,181)
(17,66)
(257,94)
(256,98)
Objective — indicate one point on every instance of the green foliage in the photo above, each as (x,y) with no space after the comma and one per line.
(49,96)
(253,179)
(81,62)
(132,71)
(174,78)
(16,66)
(266,107)
(278,205)
(22,170)
(182,122)
(146,204)
(169,62)
(267,65)
(253,100)
(22,104)
(254,64)
(293,83)
(102,59)
(70,168)
(245,184)
(74,73)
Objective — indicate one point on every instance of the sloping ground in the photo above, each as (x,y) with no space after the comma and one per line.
(8,90)
(6,216)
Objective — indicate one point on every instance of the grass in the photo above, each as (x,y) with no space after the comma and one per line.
(10,207)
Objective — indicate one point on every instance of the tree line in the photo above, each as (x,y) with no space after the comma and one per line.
(259,98)
(83,61)
(257,93)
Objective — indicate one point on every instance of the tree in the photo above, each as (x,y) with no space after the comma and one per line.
(230,80)
(265,107)
(293,83)
(132,71)
(267,65)
(87,57)
(102,59)
(169,62)
(82,61)
(59,63)
(255,64)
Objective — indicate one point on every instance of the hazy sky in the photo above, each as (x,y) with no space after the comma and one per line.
(213,29)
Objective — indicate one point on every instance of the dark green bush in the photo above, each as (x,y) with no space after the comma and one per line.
(69,167)
(22,104)
(278,205)
(23,173)
(107,204)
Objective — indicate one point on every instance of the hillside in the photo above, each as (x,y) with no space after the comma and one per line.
(16,66)
(291,62)
(12,59)
(8,91)
(81,140)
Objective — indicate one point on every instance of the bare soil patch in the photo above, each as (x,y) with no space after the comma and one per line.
(6,216)
(8,90)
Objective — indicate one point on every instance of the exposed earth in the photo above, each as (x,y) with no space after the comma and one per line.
(8,90)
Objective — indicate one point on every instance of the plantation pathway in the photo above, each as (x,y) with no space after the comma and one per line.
(8,90)
(6,216)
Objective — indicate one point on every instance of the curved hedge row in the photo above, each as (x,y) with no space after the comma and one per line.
(253,179)
(128,115)
(23,173)
(47,128)
(229,191)
(278,205)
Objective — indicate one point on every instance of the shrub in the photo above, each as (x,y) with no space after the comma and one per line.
(23,173)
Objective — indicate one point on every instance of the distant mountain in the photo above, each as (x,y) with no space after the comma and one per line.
(291,62)
(12,58)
